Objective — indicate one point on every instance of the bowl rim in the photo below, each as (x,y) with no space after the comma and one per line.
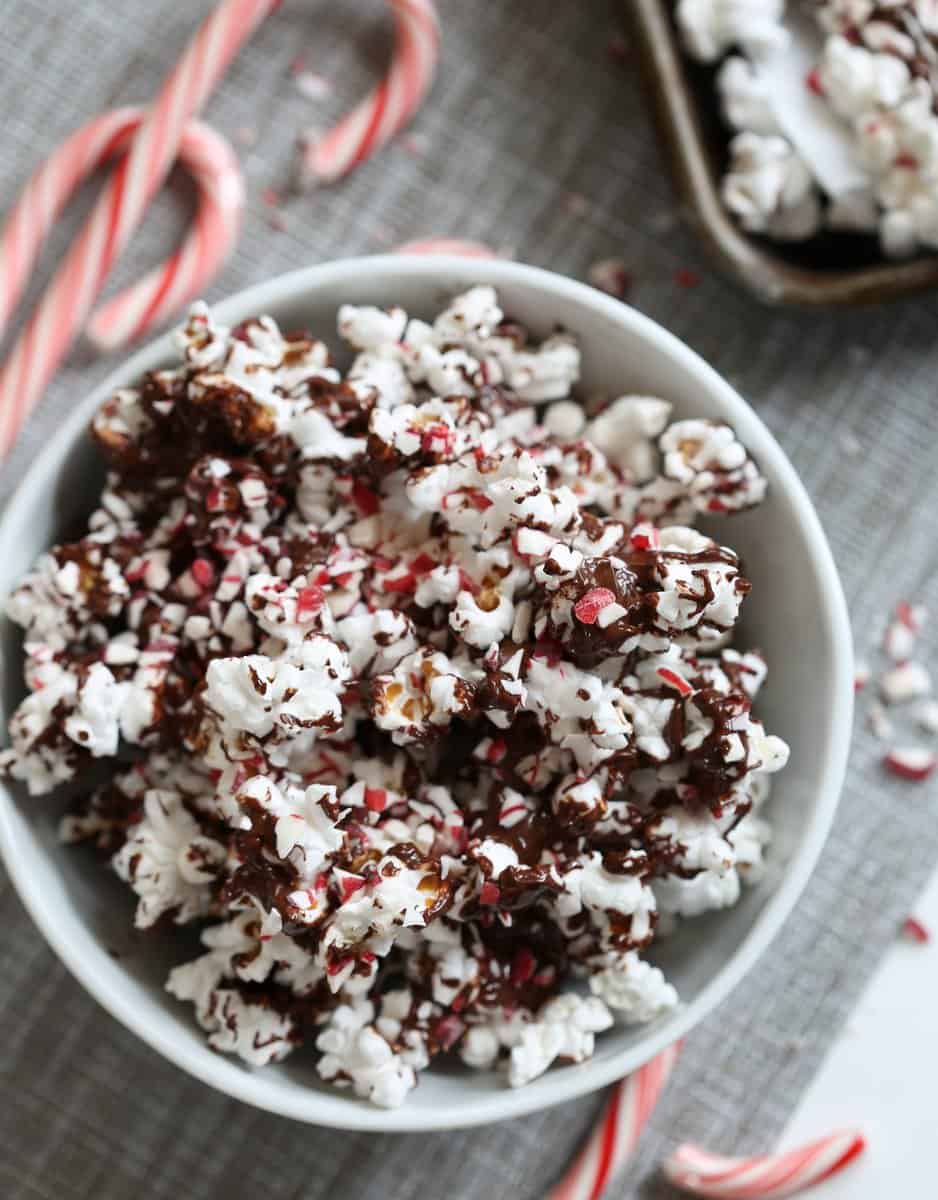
(313,1106)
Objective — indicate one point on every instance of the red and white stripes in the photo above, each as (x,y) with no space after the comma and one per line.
(213,166)
(765,1176)
(152,151)
(391,104)
(613,1141)
(151,140)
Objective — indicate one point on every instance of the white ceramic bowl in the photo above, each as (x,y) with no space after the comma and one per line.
(796,614)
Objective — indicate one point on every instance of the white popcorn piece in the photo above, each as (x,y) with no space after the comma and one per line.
(711,27)
(168,862)
(565,1028)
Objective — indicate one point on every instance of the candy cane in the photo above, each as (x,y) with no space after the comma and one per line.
(119,209)
(766,1176)
(157,141)
(613,1141)
(389,107)
(445,245)
(211,163)
(214,166)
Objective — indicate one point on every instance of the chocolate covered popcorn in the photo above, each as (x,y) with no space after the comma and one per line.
(834,112)
(411,684)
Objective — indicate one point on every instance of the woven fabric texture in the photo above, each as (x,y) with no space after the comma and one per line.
(537,140)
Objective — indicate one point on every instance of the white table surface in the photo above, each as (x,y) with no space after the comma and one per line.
(880,1074)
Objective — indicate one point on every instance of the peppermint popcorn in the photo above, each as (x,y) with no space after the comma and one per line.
(413,688)
(875,75)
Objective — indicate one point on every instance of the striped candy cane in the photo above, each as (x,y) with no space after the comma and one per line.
(613,1141)
(389,107)
(213,166)
(155,297)
(160,135)
(766,1176)
(67,303)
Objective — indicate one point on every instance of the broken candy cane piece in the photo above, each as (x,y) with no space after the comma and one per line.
(926,715)
(616,1133)
(913,928)
(910,681)
(911,762)
(880,725)
(590,605)
(695,1170)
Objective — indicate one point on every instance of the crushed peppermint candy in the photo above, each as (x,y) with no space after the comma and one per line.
(908,681)
(610,275)
(413,687)
(911,762)
(916,930)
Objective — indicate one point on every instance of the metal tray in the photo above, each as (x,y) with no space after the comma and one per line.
(829,270)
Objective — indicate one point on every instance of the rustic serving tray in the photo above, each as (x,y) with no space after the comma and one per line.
(829,270)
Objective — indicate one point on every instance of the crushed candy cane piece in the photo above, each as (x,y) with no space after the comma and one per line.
(908,681)
(916,931)
(911,762)
(926,716)
(610,275)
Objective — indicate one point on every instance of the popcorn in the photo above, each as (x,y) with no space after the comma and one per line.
(744,97)
(168,862)
(565,1028)
(770,189)
(636,991)
(429,682)
(711,27)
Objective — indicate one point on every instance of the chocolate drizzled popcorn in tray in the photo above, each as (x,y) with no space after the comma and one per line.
(834,109)
(417,689)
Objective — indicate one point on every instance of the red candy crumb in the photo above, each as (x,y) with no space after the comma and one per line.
(523,966)
(309,600)
(438,439)
(350,885)
(645,537)
(686,278)
(203,572)
(907,616)
(672,679)
(405,583)
(365,499)
(590,605)
(617,48)
(496,751)
(813,82)
(479,500)
(490,893)
(423,564)
(376,799)
(913,928)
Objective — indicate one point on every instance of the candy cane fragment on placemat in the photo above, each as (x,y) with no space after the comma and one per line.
(445,245)
(208,159)
(766,1176)
(388,108)
(614,1138)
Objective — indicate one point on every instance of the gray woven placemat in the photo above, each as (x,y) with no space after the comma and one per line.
(536,140)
